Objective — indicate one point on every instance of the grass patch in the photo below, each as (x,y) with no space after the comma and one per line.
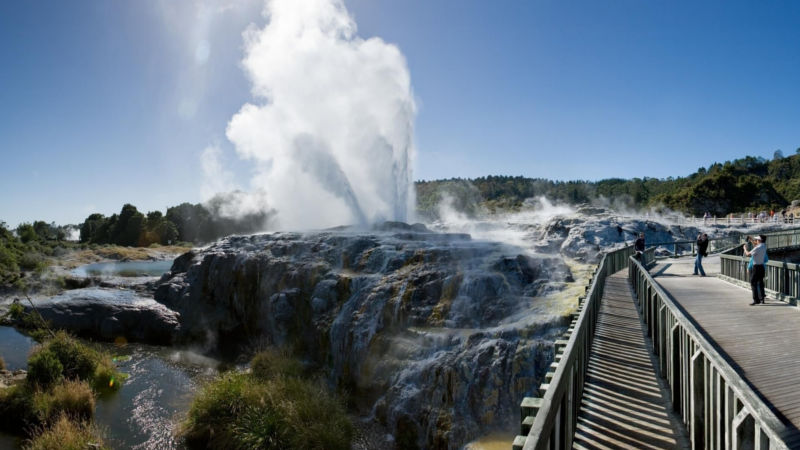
(119,253)
(64,376)
(272,407)
(81,362)
(273,363)
(72,398)
(66,434)
(17,412)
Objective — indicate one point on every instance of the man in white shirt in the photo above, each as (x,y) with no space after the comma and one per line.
(758,253)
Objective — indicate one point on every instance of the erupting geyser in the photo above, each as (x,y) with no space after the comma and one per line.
(332,132)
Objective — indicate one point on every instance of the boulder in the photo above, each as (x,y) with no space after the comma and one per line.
(110,314)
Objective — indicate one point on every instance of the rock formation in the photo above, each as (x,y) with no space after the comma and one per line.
(433,333)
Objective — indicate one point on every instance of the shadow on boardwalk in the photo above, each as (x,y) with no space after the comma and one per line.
(624,404)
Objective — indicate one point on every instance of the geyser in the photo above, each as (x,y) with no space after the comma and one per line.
(331,130)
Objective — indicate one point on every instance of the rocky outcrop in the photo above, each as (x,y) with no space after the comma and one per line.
(9,378)
(431,332)
(110,314)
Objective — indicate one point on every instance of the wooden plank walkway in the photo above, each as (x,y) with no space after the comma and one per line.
(624,404)
(760,341)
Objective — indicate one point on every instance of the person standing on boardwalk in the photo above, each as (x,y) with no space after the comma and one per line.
(758,255)
(702,251)
(638,247)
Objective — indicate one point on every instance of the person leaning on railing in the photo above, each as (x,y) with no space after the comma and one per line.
(758,257)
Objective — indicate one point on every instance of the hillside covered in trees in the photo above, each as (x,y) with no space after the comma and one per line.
(746,184)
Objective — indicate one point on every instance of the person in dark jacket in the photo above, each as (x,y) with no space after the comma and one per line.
(702,251)
(638,247)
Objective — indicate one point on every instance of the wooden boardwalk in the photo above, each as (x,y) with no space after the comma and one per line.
(762,342)
(624,404)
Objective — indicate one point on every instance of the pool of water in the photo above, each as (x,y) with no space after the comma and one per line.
(14,348)
(145,412)
(124,269)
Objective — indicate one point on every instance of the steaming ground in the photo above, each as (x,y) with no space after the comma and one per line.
(436,332)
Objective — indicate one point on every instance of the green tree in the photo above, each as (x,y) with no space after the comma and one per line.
(91,227)
(26,232)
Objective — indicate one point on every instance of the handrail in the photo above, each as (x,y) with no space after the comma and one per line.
(727,220)
(781,277)
(718,407)
(549,421)
(715,245)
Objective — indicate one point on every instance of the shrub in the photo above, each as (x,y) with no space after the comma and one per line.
(66,434)
(16,311)
(32,261)
(2,363)
(44,368)
(241,411)
(78,360)
(272,363)
(71,398)
(16,408)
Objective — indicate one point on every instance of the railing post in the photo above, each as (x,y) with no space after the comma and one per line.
(697,410)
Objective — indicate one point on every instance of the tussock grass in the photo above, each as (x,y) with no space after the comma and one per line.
(17,411)
(64,376)
(273,407)
(273,363)
(72,398)
(66,434)
(80,362)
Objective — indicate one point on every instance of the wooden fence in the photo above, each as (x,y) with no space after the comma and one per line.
(548,421)
(719,409)
(782,279)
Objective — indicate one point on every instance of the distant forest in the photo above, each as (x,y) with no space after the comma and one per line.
(742,185)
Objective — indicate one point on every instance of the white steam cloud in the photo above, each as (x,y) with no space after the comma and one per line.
(331,135)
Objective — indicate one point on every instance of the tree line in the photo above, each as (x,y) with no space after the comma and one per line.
(741,185)
(194,223)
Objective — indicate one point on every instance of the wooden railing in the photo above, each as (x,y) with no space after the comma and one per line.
(720,410)
(728,220)
(781,278)
(548,421)
(682,248)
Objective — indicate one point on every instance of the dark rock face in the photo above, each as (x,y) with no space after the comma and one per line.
(431,332)
(109,314)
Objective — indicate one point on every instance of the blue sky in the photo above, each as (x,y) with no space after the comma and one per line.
(103,103)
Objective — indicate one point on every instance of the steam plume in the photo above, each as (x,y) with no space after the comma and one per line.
(331,135)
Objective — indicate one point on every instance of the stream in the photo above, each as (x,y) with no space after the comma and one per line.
(161,384)
(144,413)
